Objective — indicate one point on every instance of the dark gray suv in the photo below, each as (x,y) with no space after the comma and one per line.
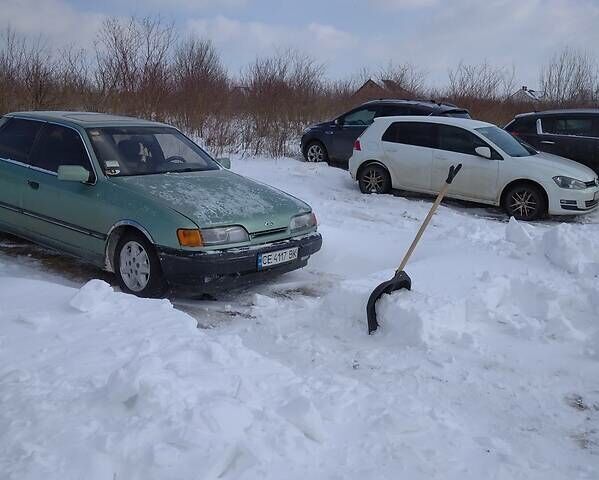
(333,141)
(573,134)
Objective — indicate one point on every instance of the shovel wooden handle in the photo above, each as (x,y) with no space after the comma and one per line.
(453,171)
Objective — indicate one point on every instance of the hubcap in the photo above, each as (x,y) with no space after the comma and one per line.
(373,181)
(134,266)
(523,203)
(315,153)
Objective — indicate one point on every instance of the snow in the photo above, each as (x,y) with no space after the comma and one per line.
(487,368)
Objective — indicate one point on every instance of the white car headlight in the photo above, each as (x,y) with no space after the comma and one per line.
(571,183)
(303,222)
(223,235)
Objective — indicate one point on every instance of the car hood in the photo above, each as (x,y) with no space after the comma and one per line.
(219,197)
(321,125)
(557,165)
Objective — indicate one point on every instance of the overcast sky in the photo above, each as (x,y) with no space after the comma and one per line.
(346,35)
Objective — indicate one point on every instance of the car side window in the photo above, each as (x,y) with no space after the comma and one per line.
(579,127)
(455,139)
(364,116)
(17,137)
(418,134)
(58,146)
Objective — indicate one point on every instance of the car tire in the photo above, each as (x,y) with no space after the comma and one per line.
(525,202)
(315,151)
(374,178)
(137,267)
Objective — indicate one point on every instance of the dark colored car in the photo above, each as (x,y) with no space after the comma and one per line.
(334,140)
(573,134)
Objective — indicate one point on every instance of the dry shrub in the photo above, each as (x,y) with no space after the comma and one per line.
(142,67)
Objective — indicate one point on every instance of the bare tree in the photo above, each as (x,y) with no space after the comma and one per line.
(570,77)
(132,67)
(406,76)
(482,81)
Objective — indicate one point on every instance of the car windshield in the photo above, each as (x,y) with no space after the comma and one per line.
(506,142)
(125,151)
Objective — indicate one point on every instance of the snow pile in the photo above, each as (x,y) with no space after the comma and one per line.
(519,234)
(572,247)
(130,388)
(489,363)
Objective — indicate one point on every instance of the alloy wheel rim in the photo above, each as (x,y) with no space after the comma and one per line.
(523,203)
(373,181)
(134,266)
(315,153)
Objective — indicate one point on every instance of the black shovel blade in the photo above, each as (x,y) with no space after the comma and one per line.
(399,281)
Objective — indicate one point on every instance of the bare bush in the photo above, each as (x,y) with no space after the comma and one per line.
(480,81)
(201,86)
(570,78)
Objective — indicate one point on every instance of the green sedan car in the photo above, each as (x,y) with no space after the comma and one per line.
(140,199)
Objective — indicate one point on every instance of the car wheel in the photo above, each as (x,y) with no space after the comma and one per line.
(138,267)
(525,202)
(316,152)
(374,179)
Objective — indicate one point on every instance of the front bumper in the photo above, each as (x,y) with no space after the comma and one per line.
(573,202)
(207,272)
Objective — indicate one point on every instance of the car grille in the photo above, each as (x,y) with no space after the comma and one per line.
(264,233)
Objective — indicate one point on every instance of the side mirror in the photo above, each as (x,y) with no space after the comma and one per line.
(73,173)
(339,122)
(483,152)
(225,162)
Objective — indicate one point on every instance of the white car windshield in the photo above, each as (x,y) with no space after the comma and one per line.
(506,142)
(124,151)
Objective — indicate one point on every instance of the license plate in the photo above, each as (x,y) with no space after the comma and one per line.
(269,259)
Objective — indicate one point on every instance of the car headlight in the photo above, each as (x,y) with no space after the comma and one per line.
(567,182)
(303,222)
(223,235)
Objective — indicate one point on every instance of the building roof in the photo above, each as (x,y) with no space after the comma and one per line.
(384,87)
(529,94)
(84,119)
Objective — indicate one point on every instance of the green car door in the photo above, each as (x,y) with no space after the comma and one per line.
(16,138)
(63,214)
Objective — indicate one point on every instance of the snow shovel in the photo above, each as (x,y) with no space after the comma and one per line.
(401,278)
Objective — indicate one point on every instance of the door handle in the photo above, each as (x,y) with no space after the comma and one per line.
(547,142)
(33,185)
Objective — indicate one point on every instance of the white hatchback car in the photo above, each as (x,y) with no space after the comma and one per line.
(415,153)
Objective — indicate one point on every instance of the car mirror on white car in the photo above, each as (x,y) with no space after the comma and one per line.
(73,173)
(483,152)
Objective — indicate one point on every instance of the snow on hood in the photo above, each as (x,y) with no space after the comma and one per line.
(219,197)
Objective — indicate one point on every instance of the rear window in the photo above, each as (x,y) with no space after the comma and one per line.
(456,114)
(397,110)
(523,125)
(16,139)
(580,127)
(411,133)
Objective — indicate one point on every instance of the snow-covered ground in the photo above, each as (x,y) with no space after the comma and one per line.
(488,368)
